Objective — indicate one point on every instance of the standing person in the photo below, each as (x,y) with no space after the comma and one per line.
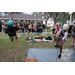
(60,40)
(3,27)
(38,28)
(29,27)
(14,24)
(56,28)
(25,27)
(73,34)
(35,29)
(0,26)
(70,31)
(32,28)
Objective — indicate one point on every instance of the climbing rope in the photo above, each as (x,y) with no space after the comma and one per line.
(57,54)
(16,49)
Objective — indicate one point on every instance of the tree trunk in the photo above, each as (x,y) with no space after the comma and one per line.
(46,20)
(46,25)
(54,24)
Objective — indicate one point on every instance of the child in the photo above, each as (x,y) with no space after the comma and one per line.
(12,30)
(60,40)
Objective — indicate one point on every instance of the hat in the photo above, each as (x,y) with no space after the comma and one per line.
(65,26)
(10,23)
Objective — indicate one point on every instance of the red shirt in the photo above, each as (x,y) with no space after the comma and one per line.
(32,27)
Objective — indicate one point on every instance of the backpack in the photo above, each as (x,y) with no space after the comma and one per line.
(73,29)
(70,29)
(49,38)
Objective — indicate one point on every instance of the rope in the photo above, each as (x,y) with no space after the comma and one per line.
(16,50)
(57,54)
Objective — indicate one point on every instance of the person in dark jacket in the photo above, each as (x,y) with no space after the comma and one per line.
(70,31)
(73,34)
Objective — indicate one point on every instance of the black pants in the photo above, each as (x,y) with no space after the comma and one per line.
(0,29)
(29,30)
(12,34)
(69,35)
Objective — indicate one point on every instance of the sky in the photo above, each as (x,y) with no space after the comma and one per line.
(28,12)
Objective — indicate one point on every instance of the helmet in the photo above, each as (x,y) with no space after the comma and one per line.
(10,23)
(65,26)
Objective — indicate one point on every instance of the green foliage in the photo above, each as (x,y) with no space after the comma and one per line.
(7,13)
(48,28)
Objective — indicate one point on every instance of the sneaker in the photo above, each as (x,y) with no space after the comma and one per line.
(57,45)
(59,56)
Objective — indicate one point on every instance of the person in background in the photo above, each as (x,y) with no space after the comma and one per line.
(56,28)
(20,25)
(25,28)
(29,27)
(38,28)
(70,31)
(35,29)
(3,27)
(14,25)
(32,28)
(73,34)
(0,26)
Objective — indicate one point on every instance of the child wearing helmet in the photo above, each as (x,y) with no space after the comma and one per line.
(60,40)
(12,29)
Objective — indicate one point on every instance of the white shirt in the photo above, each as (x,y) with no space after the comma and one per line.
(29,26)
(65,34)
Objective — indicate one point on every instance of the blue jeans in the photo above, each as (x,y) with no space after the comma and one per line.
(64,40)
(25,29)
(59,38)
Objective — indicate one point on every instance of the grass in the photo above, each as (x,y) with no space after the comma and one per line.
(8,48)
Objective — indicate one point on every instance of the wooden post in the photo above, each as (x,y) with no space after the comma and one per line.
(11,15)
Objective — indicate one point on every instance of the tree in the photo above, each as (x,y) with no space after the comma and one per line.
(56,16)
(35,14)
(7,13)
(1,13)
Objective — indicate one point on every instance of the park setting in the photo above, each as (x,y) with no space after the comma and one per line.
(39,37)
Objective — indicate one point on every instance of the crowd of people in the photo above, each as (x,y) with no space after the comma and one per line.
(23,27)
